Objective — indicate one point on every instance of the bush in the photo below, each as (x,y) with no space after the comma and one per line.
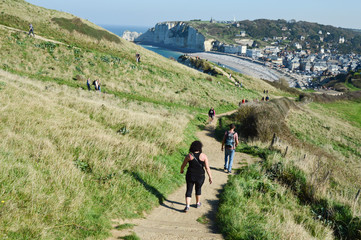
(76,24)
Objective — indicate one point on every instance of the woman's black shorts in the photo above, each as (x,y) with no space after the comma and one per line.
(194,180)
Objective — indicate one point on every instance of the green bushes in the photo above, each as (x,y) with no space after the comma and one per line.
(76,24)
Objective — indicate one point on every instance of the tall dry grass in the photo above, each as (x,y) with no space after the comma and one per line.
(66,155)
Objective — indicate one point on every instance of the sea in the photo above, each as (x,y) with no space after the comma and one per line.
(119,30)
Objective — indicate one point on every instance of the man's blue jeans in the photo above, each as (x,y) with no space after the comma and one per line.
(228,159)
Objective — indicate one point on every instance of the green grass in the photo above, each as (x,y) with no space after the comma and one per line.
(76,24)
(349,111)
(124,226)
(73,172)
(254,207)
(317,175)
(131,237)
(203,219)
(149,81)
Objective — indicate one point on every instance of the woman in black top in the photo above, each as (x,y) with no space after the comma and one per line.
(195,173)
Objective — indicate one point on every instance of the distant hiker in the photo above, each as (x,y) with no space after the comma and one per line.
(230,142)
(137,57)
(243,101)
(240,85)
(95,83)
(31,30)
(211,113)
(262,99)
(198,161)
(264,91)
(267,98)
(98,85)
(230,75)
(88,83)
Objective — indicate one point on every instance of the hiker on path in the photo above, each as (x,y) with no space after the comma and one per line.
(198,161)
(88,83)
(211,114)
(137,57)
(95,83)
(31,30)
(98,85)
(230,142)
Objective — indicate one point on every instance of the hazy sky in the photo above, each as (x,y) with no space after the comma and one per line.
(339,13)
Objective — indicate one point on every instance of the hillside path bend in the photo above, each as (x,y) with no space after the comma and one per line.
(167,221)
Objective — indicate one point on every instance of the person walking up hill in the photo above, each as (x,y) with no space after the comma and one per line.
(31,30)
(211,114)
(230,142)
(197,161)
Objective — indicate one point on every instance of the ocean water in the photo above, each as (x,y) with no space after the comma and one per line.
(119,30)
(163,51)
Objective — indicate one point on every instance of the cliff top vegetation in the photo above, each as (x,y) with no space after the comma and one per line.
(285,33)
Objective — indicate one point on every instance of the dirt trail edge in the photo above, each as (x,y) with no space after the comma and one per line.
(168,221)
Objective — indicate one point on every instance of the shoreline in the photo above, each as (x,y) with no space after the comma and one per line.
(239,64)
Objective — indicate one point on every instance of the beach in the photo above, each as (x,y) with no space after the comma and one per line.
(253,69)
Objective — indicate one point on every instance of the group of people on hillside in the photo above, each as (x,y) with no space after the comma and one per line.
(96,84)
(198,163)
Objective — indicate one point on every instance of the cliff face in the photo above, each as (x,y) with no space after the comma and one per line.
(174,34)
(130,36)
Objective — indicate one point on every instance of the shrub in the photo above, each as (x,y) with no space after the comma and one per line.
(76,24)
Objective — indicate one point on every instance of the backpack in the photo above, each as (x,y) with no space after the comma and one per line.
(211,112)
(230,139)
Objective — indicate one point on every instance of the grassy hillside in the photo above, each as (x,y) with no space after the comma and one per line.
(344,82)
(260,29)
(74,159)
(305,186)
(155,79)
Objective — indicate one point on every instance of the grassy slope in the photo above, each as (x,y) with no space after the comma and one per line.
(155,79)
(319,180)
(67,168)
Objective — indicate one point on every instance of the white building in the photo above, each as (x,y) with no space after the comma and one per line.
(235,49)
(254,53)
(341,40)
(298,46)
(276,59)
(271,50)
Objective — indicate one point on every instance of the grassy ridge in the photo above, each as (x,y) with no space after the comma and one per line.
(254,207)
(316,175)
(162,80)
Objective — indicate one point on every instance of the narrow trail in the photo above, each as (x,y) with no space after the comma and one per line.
(36,36)
(169,222)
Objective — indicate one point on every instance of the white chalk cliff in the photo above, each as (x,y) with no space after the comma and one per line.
(130,36)
(174,34)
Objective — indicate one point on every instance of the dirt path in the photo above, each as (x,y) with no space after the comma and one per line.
(36,36)
(169,222)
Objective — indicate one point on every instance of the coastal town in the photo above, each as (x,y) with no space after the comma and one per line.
(301,67)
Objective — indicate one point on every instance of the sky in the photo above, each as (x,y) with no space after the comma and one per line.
(339,13)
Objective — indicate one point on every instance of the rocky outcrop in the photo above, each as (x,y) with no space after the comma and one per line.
(175,35)
(130,36)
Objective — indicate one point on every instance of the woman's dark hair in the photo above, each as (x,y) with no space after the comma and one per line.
(196,146)
(231,126)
